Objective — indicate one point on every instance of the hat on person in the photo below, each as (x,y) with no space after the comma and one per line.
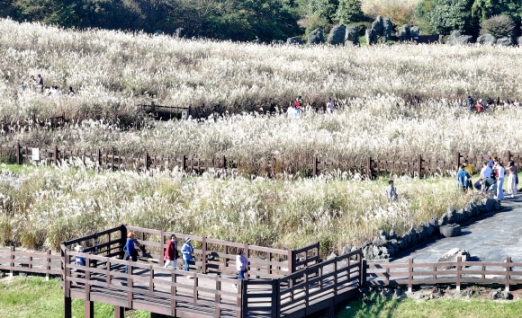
(187,240)
(78,248)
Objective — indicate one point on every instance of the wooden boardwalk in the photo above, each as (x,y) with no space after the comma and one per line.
(279,283)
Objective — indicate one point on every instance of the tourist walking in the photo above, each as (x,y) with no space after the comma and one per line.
(469,169)
(79,260)
(391,191)
(462,177)
(130,250)
(40,83)
(330,106)
(298,104)
(512,179)
(470,103)
(187,250)
(499,173)
(171,253)
(241,265)
(484,174)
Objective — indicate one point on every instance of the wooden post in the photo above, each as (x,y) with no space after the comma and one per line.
(419,166)
(184,163)
(146,161)
(362,270)
(48,265)
(67,307)
(224,163)
(291,260)
(217,298)
(204,264)
(162,248)
(410,275)
(508,272)
(275,298)
(99,159)
(459,268)
(18,155)
(457,159)
(273,167)
(151,279)
(11,261)
(129,284)
(195,292)
(173,291)
(315,167)
(55,155)
(369,168)
(88,309)
(119,312)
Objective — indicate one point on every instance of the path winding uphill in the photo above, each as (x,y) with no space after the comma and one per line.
(492,237)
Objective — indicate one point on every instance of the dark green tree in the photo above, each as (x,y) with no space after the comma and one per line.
(447,15)
(349,11)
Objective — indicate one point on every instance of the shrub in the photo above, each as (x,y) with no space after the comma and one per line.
(499,26)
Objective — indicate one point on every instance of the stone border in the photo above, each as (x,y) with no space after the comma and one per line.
(386,245)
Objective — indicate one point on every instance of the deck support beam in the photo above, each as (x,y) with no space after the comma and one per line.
(88,309)
(119,312)
(67,307)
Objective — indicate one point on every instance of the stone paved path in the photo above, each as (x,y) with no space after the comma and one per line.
(492,237)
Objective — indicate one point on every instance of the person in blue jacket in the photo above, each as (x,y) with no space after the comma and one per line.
(130,250)
(187,250)
(463,177)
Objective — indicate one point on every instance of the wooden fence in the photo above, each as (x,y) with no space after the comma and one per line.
(313,289)
(419,166)
(13,261)
(506,273)
(147,287)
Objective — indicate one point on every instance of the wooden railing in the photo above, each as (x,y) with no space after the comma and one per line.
(460,272)
(218,256)
(148,287)
(13,261)
(307,291)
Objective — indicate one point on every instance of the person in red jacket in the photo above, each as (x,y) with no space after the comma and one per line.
(171,252)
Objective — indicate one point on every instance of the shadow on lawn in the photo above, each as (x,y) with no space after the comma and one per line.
(373,306)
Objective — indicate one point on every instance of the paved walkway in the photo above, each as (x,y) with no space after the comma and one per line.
(492,237)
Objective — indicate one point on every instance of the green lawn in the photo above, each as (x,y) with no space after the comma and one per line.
(33,297)
(458,308)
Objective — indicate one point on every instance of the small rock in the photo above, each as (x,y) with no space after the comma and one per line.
(352,36)
(496,294)
(507,295)
(398,293)
(450,230)
(486,39)
(316,36)
(452,255)
(294,40)
(505,41)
